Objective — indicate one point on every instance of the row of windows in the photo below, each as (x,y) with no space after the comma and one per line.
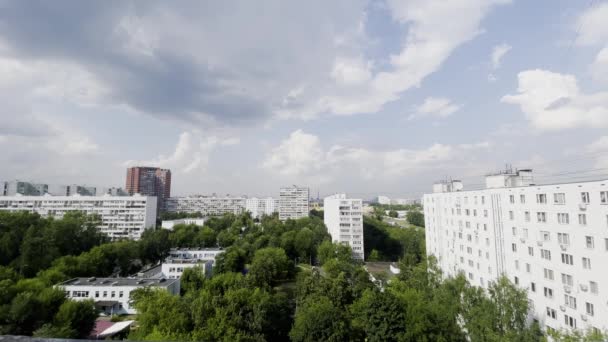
(85,294)
(562,218)
(560,198)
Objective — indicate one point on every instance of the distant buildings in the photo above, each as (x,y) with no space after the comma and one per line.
(382,200)
(182,259)
(261,206)
(395,201)
(548,239)
(121,217)
(169,224)
(293,203)
(344,221)
(206,205)
(113,295)
(149,181)
(13,188)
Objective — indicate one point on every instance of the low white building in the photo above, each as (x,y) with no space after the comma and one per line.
(113,295)
(181,259)
(206,205)
(382,200)
(169,224)
(259,207)
(121,217)
(344,220)
(551,240)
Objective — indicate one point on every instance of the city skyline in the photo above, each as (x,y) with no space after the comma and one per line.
(369,96)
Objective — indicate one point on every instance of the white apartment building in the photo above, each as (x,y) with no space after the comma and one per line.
(113,295)
(181,259)
(549,239)
(206,205)
(344,221)
(121,217)
(293,203)
(382,200)
(169,224)
(259,207)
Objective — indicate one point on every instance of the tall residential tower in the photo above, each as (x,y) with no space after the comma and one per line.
(149,181)
(344,220)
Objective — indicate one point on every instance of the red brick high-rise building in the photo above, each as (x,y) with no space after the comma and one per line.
(149,181)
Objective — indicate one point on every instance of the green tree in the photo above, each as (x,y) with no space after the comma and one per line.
(192,279)
(318,319)
(415,217)
(269,266)
(77,317)
(379,315)
(393,214)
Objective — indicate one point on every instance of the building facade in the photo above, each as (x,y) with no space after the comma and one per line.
(548,239)
(259,207)
(344,220)
(293,203)
(169,224)
(120,217)
(181,259)
(206,205)
(14,188)
(113,295)
(149,181)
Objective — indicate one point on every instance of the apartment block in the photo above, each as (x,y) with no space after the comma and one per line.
(551,240)
(149,181)
(121,217)
(181,259)
(14,188)
(206,205)
(293,203)
(113,295)
(344,220)
(259,207)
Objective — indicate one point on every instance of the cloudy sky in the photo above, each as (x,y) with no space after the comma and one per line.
(364,97)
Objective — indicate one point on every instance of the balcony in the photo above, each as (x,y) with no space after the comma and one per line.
(582,206)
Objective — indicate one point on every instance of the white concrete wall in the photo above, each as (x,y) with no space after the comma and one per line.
(344,221)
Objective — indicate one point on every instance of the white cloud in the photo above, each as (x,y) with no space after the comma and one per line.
(351,71)
(553,101)
(191,153)
(599,68)
(498,53)
(435,107)
(302,156)
(599,148)
(428,43)
(593,25)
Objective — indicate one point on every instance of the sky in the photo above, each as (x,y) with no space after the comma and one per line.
(243,97)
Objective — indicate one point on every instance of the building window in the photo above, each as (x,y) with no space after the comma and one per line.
(541,216)
(120,293)
(514,230)
(548,292)
(485,213)
(546,236)
(512,199)
(563,238)
(551,313)
(567,259)
(533,287)
(522,198)
(516,280)
(531,251)
(96,294)
(606,244)
(528,268)
(527,215)
(586,263)
(582,219)
(593,287)
(570,301)
(589,309)
(105,294)
(559,198)
(511,215)
(567,279)
(545,254)
(563,218)
(589,242)
(604,197)
(571,322)
(517,264)
(541,198)
(514,247)
(548,274)
(585,197)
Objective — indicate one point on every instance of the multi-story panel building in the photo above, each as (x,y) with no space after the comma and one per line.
(293,203)
(120,217)
(549,239)
(344,220)
(13,188)
(113,295)
(149,181)
(206,205)
(182,259)
(261,206)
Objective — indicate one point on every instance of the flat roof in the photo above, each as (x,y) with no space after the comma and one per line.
(161,282)
(535,185)
(194,249)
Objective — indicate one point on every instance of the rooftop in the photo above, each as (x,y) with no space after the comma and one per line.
(119,282)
